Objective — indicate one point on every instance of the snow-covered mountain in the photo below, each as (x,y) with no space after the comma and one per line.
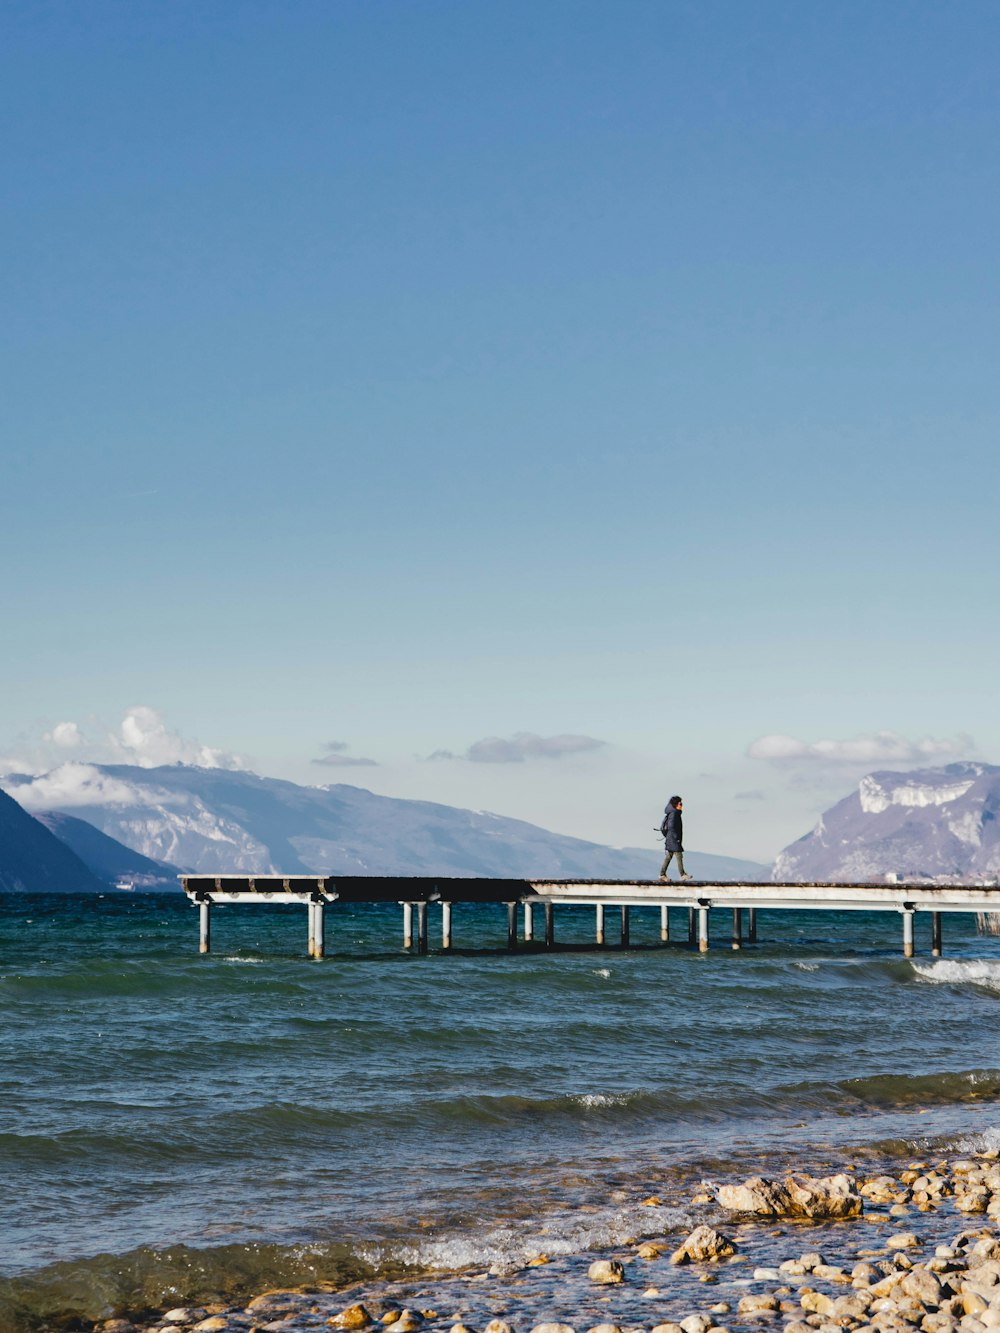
(214,820)
(933,823)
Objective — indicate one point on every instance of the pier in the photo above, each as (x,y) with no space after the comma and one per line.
(533,903)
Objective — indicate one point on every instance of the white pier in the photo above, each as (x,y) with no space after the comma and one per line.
(415,894)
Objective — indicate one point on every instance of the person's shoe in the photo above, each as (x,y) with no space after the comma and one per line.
(663,879)
(687,877)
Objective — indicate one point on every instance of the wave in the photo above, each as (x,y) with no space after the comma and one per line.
(146,1279)
(952,971)
(896,1091)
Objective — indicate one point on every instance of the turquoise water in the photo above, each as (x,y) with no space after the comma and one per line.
(172,1125)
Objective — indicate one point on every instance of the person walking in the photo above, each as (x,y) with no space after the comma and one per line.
(672,829)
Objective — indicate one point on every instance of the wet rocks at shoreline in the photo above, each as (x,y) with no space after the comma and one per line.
(914,1250)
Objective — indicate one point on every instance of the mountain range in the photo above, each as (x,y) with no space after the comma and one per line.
(213,820)
(927,824)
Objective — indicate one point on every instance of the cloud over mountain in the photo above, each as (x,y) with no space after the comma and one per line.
(142,737)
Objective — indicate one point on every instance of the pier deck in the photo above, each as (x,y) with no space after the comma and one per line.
(415,893)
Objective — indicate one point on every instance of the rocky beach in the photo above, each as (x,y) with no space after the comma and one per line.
(867,1249)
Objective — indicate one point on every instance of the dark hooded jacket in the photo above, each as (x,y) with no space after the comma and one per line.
(673,827)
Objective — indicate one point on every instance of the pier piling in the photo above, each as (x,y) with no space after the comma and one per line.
(625,927)
(445,925)
(204,926)
(935,934)
(512,926)
(421,927)
(407,925)
(907,932)
(737,927)
(752,926)
(319,929)
(529,922)
(665,923)
(599,923)
(703,930)
(550,926)
(691,930)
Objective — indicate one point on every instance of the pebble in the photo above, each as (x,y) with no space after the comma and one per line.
(606,1272)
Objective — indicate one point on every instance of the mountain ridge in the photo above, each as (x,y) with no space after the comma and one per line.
(936,824)
(212,820)
(34,860)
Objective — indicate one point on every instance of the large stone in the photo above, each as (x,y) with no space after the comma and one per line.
(817,1302)
(409,1321)
(553,1328)
(185,1314)
(703,1244)
(353,1316)
(923,1285)
(765,1302)
(697,1323)
(853,1308)
(797,1196)
(757,1195)
(667,1328)
(498,1326)
(828,1196)
(606,1272)
(281,1302)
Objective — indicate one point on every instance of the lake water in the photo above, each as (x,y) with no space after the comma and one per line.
(173,1126)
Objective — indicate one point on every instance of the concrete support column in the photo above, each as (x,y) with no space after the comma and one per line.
(907,932)
(703,930)
(421,927)
(407,925)
(625,927)
(311,929)
(599,923)
(319,930)
(512,926)
(529,922)
(446,925)
(737,927)
(691,930)
(550,926)
(752,926)
(936,934)
(664,923)
(204,926)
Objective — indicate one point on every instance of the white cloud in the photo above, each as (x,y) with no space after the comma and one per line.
(74,784)
(880,747)
(65,735)
(144,739)
(521,746)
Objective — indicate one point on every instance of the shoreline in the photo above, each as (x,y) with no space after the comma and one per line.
(554,1287)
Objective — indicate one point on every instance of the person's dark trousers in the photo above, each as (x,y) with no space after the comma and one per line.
(666,861)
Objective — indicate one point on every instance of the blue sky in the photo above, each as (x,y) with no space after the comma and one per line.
(404,376)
